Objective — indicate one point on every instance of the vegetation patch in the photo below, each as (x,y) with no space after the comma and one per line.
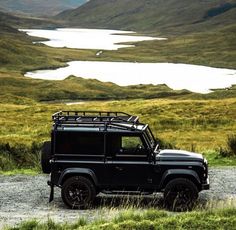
(186,120)
(230,150)
(19,156)
(146,219)
(195,125)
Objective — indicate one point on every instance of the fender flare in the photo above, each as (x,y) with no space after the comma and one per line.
(78,171)
(179,172)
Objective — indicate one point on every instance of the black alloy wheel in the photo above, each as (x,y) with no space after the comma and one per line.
(78,192)
(180,195)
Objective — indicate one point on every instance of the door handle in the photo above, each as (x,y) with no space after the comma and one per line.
(119,168)
(108,159)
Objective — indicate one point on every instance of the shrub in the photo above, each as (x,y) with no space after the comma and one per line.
(231,142)
(224,152)
(230,151)
(19,156)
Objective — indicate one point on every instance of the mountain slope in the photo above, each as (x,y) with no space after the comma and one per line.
(9,21)
(153,15)
(39,7)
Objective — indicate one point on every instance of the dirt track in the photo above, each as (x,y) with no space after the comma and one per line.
(26,197)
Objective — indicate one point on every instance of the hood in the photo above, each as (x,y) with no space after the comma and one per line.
(178,155)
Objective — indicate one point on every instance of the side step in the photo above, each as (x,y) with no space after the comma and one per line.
(107,192)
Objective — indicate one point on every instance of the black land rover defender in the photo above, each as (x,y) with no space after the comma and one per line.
(92,152)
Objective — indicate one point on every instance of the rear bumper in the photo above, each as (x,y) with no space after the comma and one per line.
(206,185)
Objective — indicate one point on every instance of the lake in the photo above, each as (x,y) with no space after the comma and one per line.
(200,79)
(88,38)
(177,76)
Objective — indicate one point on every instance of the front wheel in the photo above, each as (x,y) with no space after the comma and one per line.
(78,192)
(180,195)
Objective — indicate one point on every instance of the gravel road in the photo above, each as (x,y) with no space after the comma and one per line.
(26,197)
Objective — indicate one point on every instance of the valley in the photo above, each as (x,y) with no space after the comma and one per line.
(211,48)
(199,33)
(39,8)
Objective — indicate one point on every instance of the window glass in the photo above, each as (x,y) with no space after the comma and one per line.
(131,145)
(79,143)
(131,142)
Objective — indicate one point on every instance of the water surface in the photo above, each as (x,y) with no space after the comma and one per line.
(88,38)
(195,78)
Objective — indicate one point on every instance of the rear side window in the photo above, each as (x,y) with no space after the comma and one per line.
(79,143)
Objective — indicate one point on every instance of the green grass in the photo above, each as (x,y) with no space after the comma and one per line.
(134,219)
(215,159)
(26,90)
(195,125)
(22,171)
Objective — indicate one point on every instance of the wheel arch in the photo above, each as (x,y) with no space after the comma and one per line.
(180,173)
(70,172)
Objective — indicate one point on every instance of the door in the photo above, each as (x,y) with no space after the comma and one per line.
(129,167)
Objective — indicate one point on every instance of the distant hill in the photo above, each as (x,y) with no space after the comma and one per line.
(39,7)
(10,22)
(172,16)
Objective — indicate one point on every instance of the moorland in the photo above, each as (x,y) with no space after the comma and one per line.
(180,119)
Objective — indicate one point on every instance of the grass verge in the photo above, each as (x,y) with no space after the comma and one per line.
(146,219)
(31,172)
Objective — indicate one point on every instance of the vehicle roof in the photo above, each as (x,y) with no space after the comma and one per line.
(95,121)
(101,128)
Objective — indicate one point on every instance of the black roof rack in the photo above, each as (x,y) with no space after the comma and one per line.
(93,117)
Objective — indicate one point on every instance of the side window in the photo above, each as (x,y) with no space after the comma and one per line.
(131,145)
(80,143)
(121,144)
(131,142)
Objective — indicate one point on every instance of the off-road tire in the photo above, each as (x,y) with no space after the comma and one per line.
(45,157)
(78,192)
(180,195)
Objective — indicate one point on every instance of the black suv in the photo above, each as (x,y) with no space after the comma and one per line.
(112,152)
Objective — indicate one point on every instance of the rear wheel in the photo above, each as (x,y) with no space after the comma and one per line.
(180,195)
(46,155)
(78,192)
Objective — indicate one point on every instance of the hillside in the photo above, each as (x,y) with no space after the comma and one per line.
(18,55)
(39,7)
(8,20)
(169,16)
